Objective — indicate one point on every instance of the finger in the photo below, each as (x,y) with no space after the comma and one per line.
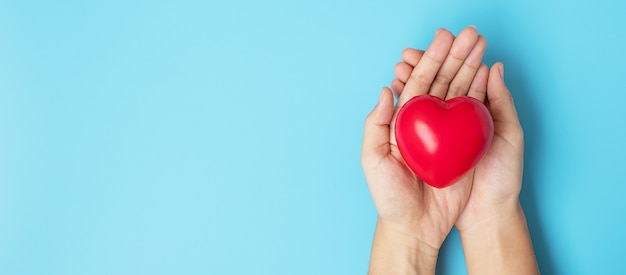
(376,131)
(396,87)
(500,99)
(478,89)
(468,70)
(412,56)
(423,74)
(460,50)
(402,71)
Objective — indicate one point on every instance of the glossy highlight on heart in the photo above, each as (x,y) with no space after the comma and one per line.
(442,140)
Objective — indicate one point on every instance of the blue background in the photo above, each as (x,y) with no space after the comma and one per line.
(223,137)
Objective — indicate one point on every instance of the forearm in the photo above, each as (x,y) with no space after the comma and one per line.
(394,252)
(500,243)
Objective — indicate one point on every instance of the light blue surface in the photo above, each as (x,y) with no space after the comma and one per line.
(223,137)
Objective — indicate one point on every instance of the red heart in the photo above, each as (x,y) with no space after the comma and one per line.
(442,140)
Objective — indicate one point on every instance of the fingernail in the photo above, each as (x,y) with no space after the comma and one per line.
(438,31)
(382,94)
(472,26)
(502,71)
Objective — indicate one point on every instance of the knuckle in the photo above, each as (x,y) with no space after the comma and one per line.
(442,79)
(435,59)
(420,80)
(456,89)
(456,58)
(471,65)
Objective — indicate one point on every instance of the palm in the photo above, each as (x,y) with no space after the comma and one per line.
(497,166)
(406,198)
(493,174)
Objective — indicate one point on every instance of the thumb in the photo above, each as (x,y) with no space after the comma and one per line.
(500,99)
(376,130)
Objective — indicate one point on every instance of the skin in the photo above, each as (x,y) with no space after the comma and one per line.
(415,218)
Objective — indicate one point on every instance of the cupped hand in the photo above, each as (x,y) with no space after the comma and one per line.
(497,178)
(407,206)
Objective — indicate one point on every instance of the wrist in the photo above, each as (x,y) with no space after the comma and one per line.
(396,251)
(487,219)
(483,212)
(499,242)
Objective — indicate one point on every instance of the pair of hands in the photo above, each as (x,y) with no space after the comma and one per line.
(411,212)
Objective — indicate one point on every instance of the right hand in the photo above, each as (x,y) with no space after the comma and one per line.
(497,178)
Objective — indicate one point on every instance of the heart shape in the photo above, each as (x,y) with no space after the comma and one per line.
(442,140)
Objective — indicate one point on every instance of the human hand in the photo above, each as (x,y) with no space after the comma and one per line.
(497,178)
(412,213)
(492,225)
